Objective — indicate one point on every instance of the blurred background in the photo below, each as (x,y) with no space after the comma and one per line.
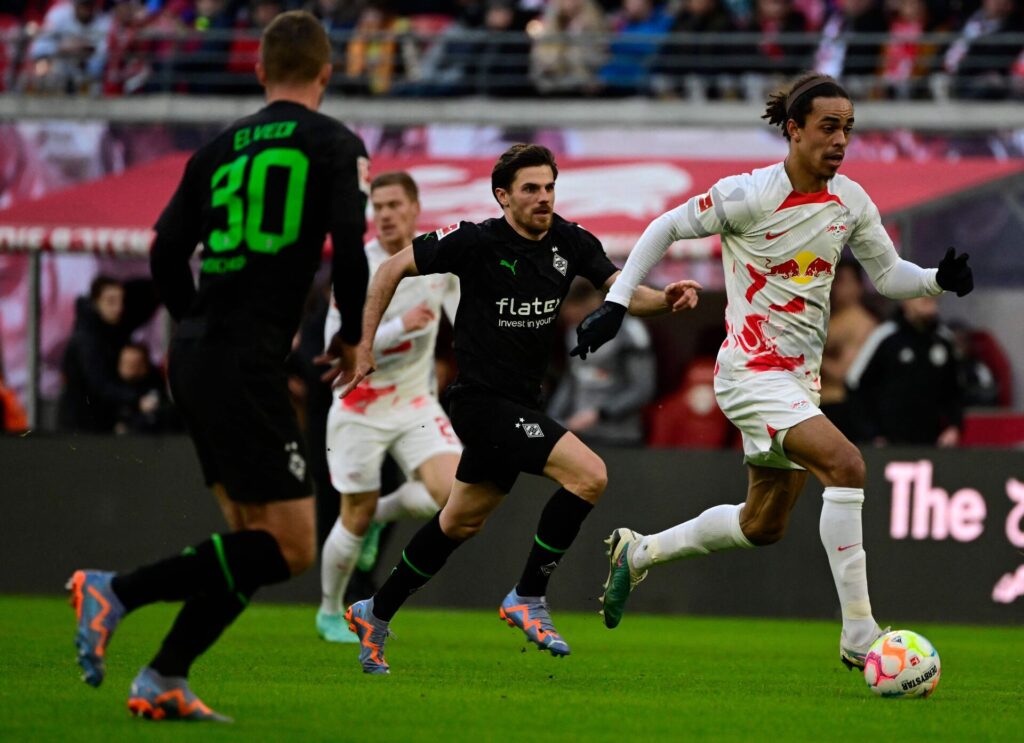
(645,104)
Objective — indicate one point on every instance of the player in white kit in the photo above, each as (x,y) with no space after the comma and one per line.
(395,411)
(782,228)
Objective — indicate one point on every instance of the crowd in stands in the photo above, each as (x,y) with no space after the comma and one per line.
(677,48)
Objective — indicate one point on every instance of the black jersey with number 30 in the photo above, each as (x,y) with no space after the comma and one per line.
(261,197)
(511,292)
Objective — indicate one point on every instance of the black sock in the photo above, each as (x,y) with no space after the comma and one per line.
(198,625)
(422,558)
(239,561)
(558,526)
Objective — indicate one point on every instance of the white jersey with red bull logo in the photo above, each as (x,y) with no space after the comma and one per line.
(779,248)
(404,360)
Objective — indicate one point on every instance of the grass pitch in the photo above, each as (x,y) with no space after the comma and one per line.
(465,676)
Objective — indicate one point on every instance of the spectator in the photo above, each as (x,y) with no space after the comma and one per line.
(775,18)
(837,55)
(904,386)
(105,319)
(501,64)
(566,55)
(906,60)
(205,62)
(12,415)
(848,329)
(244,51)
(378,51)
(494,59)
(70,52)
(638,31)
(688,417)
(601,400)
(150,411)
(128,66)
(985,372)
(981,59)
(337,15)
(680,62)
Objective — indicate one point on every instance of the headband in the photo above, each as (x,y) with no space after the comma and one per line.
(806,88)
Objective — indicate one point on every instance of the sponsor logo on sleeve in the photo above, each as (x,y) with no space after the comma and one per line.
(446,230)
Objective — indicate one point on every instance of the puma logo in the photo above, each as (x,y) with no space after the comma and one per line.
(510,266)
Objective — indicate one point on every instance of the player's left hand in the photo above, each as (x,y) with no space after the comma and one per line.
(954,274)
(597,328)
(682,295)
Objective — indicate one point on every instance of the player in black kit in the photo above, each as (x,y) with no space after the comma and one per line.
(514,273)
(261,198)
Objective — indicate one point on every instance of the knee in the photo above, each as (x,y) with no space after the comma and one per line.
(847,468)
(357,513)
(356,521)
(462,527)
(589,481)
(299,553)
(761,529)
(439,493)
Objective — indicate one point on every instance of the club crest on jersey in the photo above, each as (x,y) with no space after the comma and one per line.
(532,430)
(560,263)
(837,229)
(296,462)
(446,230)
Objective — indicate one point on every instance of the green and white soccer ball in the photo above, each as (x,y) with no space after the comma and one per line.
(902,664)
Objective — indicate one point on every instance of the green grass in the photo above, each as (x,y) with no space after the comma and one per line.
(466,676)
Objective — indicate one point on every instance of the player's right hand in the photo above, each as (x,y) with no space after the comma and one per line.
(340,358)
(362,366)
(682,295)
(417,318)
(597,328)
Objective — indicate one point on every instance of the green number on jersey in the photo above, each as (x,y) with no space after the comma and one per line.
(225,195)
(250,214)
(297,165)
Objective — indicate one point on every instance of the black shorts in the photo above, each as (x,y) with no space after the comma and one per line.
(500,438)
(241,421)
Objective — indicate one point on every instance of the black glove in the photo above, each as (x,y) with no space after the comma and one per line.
(954,274)
(597,328)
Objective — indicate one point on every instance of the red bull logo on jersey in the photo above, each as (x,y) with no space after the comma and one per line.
(802,268)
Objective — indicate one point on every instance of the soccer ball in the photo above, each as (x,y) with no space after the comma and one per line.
(902,664)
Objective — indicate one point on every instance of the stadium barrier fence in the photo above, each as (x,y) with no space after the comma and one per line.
(943,530)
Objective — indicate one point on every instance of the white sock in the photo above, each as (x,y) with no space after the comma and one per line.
(410,501)
(842,535)
(715,530)
(338,561)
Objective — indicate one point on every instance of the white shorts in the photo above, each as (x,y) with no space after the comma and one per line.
(764,408)
(356,443)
